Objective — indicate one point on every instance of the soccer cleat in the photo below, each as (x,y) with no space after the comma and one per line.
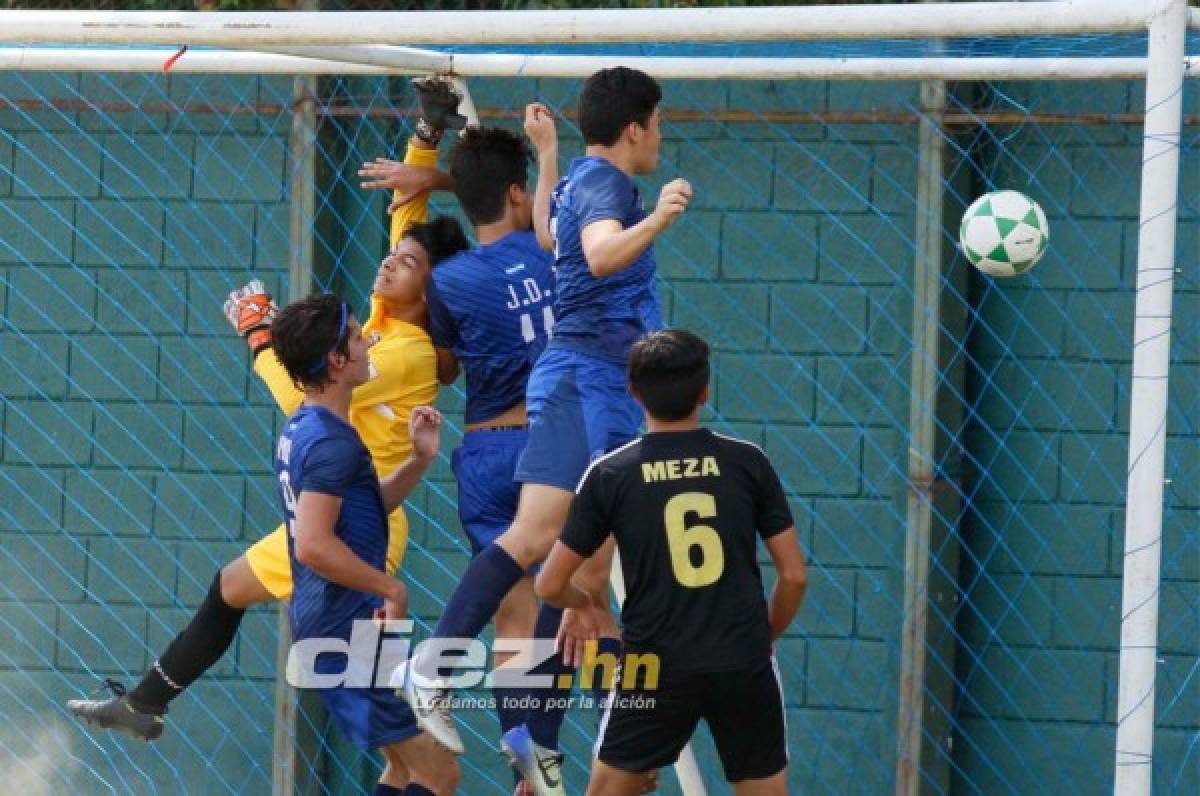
(116,713)
(541,767)
(430,703)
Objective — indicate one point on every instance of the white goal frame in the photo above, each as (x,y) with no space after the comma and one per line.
(363,43)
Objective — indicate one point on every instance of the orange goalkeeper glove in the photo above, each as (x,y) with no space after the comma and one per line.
(250,311)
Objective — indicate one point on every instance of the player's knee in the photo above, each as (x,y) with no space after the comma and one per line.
(240,587)
(541,513)
(528,541)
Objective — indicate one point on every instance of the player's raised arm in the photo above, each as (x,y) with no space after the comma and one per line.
(609,248)
(250,311)
(424,430)
(409,181)
(540,128)
(412,181)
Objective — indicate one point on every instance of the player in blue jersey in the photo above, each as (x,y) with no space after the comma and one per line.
(491,314)
(577,401)
(336,511)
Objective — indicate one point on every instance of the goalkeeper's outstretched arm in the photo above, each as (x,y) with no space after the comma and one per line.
(412,181)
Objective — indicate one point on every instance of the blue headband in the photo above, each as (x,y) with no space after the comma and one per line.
(337,341)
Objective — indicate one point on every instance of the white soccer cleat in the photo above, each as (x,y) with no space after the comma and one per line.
(541,767)
(430,703)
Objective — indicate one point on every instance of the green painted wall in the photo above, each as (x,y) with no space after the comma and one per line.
(1038,671)
(136,441)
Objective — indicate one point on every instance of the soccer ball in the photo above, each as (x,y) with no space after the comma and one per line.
(1004,233)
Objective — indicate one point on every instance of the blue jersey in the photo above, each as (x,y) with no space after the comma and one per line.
(492,306)
(599,317)
(319,452)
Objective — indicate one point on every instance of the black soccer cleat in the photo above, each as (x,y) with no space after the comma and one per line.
(116,713)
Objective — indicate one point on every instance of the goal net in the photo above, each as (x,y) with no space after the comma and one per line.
(956,447)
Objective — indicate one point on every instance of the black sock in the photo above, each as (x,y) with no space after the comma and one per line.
(389,790)
(414,789)
(197,647)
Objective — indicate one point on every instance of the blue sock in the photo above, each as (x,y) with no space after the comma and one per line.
(414,789)
(547,711)
(487,579)
(389,790)
(510,715)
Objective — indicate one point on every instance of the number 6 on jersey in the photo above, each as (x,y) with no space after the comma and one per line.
(681,538)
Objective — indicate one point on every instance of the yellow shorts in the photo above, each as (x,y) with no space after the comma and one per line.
(268,557)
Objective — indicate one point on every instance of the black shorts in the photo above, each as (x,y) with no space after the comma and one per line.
(644,730)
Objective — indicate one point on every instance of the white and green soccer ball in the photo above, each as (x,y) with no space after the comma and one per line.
(1004,233)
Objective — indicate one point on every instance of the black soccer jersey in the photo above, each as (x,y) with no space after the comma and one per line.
(687,509)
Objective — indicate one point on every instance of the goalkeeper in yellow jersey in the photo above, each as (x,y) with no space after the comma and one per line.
(404,370)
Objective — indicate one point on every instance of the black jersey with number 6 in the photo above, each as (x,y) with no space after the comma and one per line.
(687,509)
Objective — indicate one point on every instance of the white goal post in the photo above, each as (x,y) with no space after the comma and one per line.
(362,43)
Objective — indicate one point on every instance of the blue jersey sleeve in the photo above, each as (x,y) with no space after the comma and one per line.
(330,467)
(602,194)
(442,328)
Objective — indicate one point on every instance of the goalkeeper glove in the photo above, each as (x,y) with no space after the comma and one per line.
(439,108)
(250,311)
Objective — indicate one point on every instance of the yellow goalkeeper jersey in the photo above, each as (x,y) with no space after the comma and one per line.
(404,361)
(406,376)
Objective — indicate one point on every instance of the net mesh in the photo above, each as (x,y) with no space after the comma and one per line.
(136,445)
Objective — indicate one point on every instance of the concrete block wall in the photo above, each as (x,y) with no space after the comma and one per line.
(136,451)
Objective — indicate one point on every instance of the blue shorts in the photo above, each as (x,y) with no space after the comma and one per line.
(368,717)
(485,467)
(579,408)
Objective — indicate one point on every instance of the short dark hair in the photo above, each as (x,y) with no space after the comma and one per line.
(441,237)
(669,371)
(308,330)
(484,162)
(612,99)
